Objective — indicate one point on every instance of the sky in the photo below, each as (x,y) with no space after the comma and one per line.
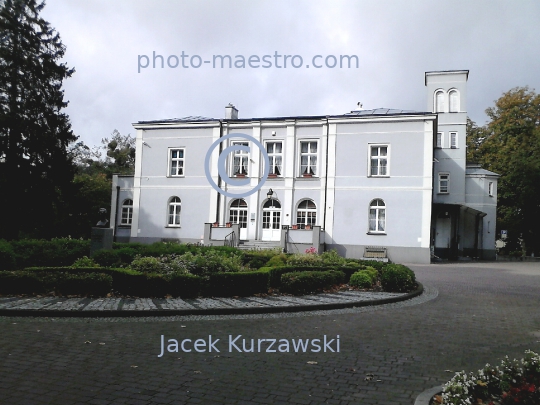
(395,43)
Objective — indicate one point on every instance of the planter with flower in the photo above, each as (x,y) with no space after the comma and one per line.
(514,382)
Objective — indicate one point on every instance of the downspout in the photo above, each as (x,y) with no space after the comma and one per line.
(219,177)
(116,212)
(326,179)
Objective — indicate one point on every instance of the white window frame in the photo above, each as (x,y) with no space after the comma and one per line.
(241,155)
(178,159)
(128,209)
(273,155)
(378,210)
(439,145)
(176,212)
(439,108)
(379,157)
(309,216)
(453,137)
(440,178)
(456,107)
(491,187)
(309,155)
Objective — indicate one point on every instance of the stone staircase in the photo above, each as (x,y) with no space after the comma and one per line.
(259,245)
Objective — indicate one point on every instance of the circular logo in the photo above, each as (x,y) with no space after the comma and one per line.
(222,169)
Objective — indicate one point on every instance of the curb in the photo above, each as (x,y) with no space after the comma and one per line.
(209,311)
(425,397)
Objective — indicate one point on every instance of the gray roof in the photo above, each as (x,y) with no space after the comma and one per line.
(355,113)
(477,170)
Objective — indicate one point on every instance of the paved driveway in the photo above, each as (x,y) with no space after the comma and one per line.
(481,313)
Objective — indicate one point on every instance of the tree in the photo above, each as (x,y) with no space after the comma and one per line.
(510,145)
(35,168)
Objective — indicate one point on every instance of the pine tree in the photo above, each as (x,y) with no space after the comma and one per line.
(35,168)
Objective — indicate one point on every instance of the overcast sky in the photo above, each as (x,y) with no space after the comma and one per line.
(395,42)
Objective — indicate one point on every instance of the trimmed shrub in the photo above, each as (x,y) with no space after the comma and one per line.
(237,284)
(146,265)
(275,273)
(332,258)
(7,256)
(306,282)
(84,262)
(94,284)
(361,279)
(21,282)
(397,278)
(55,252)
(126,254)
(184,285)
(107,258)
(377,265)
(277,260)
(255,259)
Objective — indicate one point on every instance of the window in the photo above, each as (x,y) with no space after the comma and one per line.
(439,101)
(127,212)
(306,214)
(378,160)
(308,158)
(275,156)
(444,179)
(377,216)
(240,160)
(174,211)
(490,189)
(453,140)
(440,140)
(454,101)
(176,162)
(238,213)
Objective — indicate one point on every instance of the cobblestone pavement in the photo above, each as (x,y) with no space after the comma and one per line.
(471,314)
(148,304)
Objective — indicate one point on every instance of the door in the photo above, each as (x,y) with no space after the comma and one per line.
(271,220)
(238,214)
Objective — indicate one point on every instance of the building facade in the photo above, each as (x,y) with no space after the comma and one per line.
(381,183)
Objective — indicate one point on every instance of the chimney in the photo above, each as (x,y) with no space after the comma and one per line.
(231,113)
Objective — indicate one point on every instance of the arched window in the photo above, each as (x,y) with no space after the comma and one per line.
(127,212)
(377,216)
(238,213)
(175,206)
(454,101)
(439,101)
(306,214)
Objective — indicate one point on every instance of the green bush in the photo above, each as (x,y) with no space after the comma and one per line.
(107,258)
(7,256)
(255,259)
(277,260)
(184,285)
(21,282)
(275,273)
(146,265)
(306,282)
(397,278)
(371,263)
(361,279)
(55,252)
(126,254)
(237,284)
(93,284)
(332,258)
(84,262)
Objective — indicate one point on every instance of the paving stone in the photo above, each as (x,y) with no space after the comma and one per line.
(139,304)
(103,304)
(174,303)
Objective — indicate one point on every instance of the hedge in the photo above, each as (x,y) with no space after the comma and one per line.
(306,282)
(397,278)
(237,284)
(55,252)
(64,283)
(361,279)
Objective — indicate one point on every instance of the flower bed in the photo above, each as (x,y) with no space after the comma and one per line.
(514,382)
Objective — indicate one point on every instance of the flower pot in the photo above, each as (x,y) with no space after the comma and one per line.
(308,227)
(215,224)
(307,175)
(294,226)
(272,176)
(229,224)
(241,175)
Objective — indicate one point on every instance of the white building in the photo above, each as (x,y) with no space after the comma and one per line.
(369,183)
